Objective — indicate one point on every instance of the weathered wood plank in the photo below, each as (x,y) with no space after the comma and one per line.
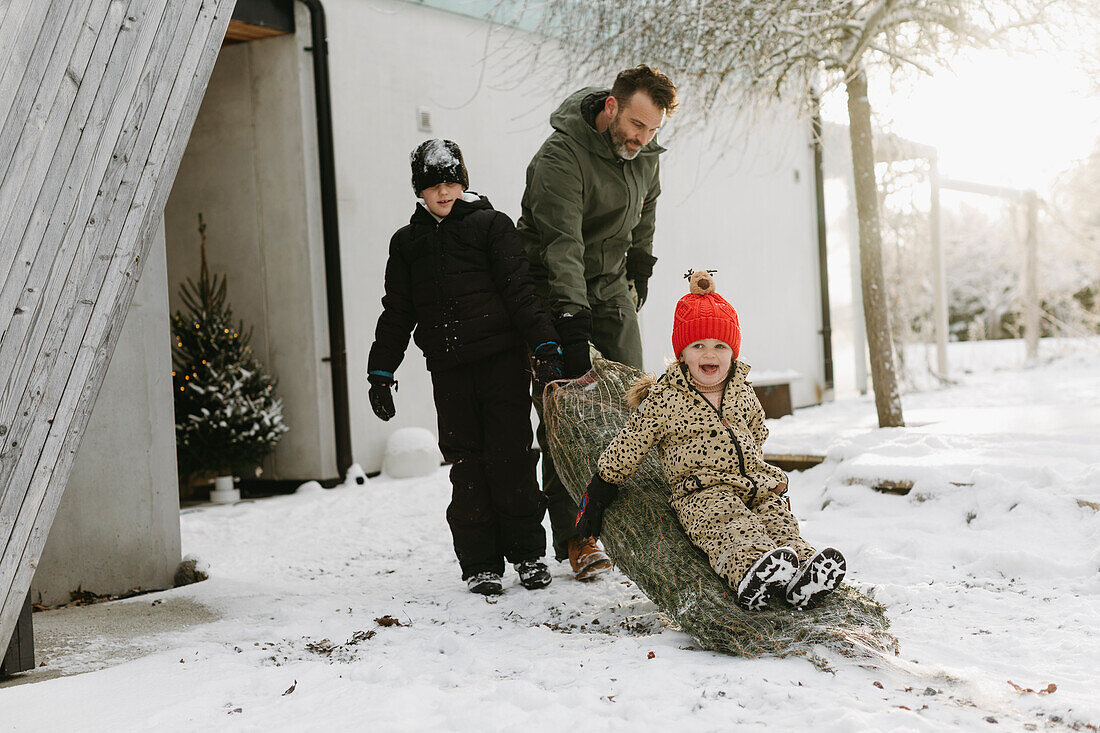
(38,32)
(63,372)
(97,320)
(107,313)
(54,45)
(35,205)
(46,315)
(10,35)
(32,102)
(32,155)
(110,103)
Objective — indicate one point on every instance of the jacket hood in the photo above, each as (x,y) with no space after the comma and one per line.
(568,120)
(469,203)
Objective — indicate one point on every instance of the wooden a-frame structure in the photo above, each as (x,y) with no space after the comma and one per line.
(97,100)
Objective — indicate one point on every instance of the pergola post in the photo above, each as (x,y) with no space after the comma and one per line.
(1031,276)
(939,278)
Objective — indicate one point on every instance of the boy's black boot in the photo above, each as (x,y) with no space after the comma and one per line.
(768,575)
(487,583)
(533,574)
(820,575)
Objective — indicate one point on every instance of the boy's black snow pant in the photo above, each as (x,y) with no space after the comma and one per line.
(496,509)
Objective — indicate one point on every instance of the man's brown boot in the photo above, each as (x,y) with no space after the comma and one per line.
(587,559)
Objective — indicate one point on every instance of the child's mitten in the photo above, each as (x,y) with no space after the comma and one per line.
(548,364)
(381,399)
(597,497)
(575,331)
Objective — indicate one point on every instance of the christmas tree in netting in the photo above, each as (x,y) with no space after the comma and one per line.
(228,418)
(643,536)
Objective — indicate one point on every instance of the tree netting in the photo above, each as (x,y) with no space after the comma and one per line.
(643,536)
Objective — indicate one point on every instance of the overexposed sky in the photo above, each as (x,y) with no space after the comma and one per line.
(1013,120)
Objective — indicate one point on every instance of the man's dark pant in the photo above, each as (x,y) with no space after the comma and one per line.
(616,336)
(496,507)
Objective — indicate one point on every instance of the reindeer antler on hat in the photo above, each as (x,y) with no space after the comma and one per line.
(703,313)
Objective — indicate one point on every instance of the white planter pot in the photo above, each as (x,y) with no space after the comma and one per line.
(224,492)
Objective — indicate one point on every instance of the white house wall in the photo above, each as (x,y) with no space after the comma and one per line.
(752,218)
(750,215)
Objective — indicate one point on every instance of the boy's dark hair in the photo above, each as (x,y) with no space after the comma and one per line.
(646,79)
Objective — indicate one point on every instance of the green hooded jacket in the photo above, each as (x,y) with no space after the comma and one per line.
(584,208)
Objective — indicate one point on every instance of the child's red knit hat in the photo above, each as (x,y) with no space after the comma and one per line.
(704,314)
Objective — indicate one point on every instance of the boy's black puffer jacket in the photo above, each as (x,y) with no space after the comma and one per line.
(463,284)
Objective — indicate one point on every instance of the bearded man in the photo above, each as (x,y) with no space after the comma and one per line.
(587,224)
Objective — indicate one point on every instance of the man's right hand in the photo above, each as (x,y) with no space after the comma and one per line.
(574,332)
(381,399)
(639,268)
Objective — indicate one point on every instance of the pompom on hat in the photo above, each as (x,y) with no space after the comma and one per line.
(704,314)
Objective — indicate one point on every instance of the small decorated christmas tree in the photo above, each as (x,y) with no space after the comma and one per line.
(228,418)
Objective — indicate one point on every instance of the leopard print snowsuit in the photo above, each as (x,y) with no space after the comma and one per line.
(728,499)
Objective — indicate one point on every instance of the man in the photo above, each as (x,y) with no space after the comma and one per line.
(587,224)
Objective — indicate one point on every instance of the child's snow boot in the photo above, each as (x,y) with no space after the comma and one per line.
(816,578)
(487,583)
(533,574)
(587,559)
(770,574)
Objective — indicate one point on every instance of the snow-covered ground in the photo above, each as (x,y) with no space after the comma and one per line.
(343,609)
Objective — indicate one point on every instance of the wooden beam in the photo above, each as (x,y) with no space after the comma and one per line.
(95,203)
(793,461)
(1012,194)
(240,31)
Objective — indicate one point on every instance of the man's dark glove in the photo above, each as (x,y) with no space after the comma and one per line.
(596,499)
(574,332)
(548,364)
(639,268)
(381,399)
(641,292)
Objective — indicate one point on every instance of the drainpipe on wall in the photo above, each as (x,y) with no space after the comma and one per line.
(331,236)
(822,252)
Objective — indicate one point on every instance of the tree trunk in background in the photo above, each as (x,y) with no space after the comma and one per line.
(876,317)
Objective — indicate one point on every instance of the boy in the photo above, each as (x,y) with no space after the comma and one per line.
(457,275)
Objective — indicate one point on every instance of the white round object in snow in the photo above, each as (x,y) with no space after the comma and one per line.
(411,452)
(309,487)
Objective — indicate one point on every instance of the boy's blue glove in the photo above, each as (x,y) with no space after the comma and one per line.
(596,499)
(381,399)
(548,364)
(575,331)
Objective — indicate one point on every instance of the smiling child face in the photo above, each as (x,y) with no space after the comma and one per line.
(708,361)
(440,198)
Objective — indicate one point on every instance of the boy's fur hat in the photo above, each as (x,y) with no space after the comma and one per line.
(437,161)
(704,314)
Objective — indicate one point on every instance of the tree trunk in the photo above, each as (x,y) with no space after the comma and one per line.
(875,314)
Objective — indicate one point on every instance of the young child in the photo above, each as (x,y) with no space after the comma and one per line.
(708,426)
(458,276)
